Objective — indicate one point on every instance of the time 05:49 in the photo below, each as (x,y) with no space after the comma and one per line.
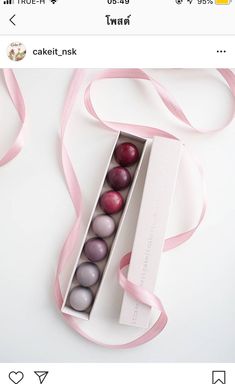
(118,1)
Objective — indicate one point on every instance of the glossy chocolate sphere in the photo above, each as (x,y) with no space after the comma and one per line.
(96,249)
(80,298)
(118,178)
(111,202)
(103,226)
(87,274)
(126,154)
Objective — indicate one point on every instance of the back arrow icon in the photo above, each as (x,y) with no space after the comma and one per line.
(11,19)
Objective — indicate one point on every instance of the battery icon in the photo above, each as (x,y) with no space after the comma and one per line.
(223,2)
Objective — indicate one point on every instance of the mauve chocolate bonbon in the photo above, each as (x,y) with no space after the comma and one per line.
(96,249)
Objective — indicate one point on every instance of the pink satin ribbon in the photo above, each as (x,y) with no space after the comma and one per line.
(69,247)
(71,179)
(18,101)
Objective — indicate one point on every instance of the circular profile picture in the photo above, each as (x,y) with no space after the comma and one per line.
(16,51)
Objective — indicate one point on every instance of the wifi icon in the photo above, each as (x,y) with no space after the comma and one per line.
(53,1)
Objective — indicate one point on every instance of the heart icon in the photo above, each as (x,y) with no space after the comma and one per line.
(16,377)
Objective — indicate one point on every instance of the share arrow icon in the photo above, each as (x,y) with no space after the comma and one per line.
(41,375)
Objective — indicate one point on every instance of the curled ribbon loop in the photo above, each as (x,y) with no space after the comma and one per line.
(18,101)
(139,293)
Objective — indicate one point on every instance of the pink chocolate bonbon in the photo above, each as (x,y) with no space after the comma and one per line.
(111,202)
(103,226)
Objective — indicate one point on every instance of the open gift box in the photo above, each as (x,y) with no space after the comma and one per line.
(140,227)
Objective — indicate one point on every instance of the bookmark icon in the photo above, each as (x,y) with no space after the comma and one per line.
(41,375)
(218,377)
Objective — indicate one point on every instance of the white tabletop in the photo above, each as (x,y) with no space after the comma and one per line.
(196,281)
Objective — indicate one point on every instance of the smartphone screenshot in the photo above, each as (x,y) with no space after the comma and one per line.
(117,209)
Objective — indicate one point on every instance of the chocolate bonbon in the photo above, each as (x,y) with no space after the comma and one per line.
(126,154)
(80,298)
(118,178)
(111,202)
(95,249)
(87,274)
(103,226)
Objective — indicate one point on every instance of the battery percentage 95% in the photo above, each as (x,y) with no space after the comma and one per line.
(203,2)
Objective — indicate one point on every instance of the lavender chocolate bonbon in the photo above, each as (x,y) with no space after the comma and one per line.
(80,298)
(87,274)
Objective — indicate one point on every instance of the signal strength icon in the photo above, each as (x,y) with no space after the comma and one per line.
(8,2)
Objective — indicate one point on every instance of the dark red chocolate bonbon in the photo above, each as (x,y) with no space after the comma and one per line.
(126,154)
(118,178)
